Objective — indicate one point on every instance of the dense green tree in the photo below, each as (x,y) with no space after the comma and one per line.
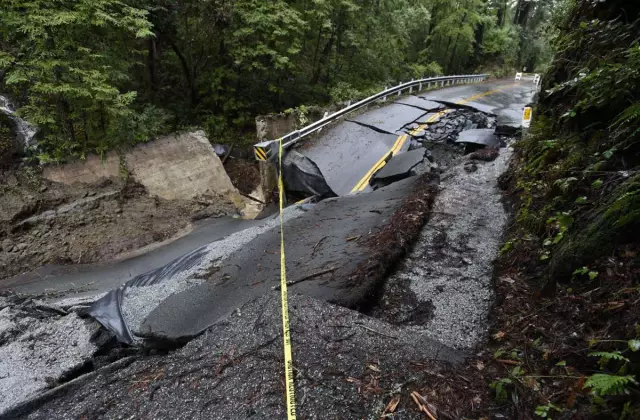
(98,74)
(69,64)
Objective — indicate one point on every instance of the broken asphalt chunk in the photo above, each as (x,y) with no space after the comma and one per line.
(400,167)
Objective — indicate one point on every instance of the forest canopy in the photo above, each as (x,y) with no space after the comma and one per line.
(100,74)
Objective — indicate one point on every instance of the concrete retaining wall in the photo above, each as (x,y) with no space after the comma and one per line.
(273,126)
(176,166)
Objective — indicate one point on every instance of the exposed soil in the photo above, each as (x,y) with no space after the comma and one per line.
(244,174)
(49,223)
(394,240)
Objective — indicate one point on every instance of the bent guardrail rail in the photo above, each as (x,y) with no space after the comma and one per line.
(267,150)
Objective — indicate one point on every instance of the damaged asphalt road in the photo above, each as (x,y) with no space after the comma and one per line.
(222,299)
(348,150)
(326,250)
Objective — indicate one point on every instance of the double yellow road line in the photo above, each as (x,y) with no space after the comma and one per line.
(401,140)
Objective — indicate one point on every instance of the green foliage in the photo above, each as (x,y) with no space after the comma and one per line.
(592,274)
(73,59)
(97,75)
(606,357)
(602,384)
(501,387)
(545,411)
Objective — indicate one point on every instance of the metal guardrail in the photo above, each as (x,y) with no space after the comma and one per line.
(267,150)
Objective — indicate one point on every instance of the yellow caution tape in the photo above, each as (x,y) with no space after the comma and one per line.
(286,333)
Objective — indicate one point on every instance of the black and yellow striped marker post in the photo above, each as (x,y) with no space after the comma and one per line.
(261,152)
(286,333)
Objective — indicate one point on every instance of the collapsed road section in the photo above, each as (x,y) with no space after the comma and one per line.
(348,364)
(366,325)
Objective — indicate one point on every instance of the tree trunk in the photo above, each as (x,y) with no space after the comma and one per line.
(151,66)
(502,12)
(193,93)
(324,57)
(455,45)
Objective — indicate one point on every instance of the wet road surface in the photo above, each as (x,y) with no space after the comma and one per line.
(347,152)
(93,279)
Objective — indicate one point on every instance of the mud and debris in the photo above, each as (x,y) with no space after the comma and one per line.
(43,222)
(486,154)
(422,319)
(40,346)
(244,173)
(448,274)
(347,365)
(449,125)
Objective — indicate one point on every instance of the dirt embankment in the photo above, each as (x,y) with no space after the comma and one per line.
(42,222)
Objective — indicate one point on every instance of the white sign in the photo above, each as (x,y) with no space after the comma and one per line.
(526,116)
(536,79)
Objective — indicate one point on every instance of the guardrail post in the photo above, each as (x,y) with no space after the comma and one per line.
(411,88)
(399,90)
(384,98)
(420,87)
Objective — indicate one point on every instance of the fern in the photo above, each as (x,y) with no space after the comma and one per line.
(631,115)
(602,384)
(606,357)
(628,122)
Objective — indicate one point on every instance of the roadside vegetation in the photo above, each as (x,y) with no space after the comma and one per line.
(567,326)
(101,74)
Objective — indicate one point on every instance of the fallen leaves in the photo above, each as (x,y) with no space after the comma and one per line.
(498,336)
(391,407)
(422,404)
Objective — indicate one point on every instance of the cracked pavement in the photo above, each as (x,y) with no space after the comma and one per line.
(347,364)
(346,151)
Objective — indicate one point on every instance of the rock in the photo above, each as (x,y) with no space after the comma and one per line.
(486,154)
(415,145)
(12,180)
(470,166)
(400,166)
(43,188)
(21,246)
(6,245)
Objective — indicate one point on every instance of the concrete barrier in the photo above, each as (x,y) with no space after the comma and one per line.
(176,166)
